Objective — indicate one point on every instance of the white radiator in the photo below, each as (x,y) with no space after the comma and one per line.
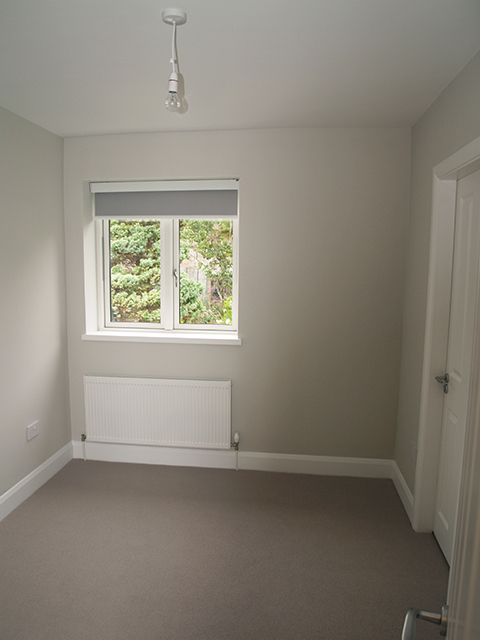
(153,411)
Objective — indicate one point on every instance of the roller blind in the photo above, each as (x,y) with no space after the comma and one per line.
(182,199)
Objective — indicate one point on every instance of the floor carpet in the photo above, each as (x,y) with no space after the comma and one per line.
(108,551)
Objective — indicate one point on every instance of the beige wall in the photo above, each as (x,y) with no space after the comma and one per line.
(322,268)
(449,124)
(33,343)
(323,224)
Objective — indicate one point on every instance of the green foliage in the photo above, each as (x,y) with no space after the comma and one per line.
(135,270)
(192,307)
(208,245)
(206,252)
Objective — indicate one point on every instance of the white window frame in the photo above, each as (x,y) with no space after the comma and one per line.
(169,330)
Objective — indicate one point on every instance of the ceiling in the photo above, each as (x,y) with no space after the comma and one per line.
(101,66)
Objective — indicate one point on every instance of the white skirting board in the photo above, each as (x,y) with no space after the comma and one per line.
(283,463)
(14,497)
(219,459)
(403,490)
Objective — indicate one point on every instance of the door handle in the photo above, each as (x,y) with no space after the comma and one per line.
(410,625)
(443,380)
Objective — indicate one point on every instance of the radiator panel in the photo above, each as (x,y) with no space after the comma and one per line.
(154,411)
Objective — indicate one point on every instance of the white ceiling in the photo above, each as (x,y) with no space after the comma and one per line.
(101,66)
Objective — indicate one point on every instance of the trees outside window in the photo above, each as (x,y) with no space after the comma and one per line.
(135,291)
(202,267)
(206,268)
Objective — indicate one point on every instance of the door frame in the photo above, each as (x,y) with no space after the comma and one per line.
(445,176)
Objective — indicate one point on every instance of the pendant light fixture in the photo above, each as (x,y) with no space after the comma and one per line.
(174,17)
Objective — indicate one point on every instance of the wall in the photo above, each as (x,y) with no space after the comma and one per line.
(449,124)
(33,346)
(323,224)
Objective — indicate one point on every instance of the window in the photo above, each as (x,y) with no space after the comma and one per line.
(168,252)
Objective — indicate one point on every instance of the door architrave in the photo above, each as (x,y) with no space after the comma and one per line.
(445,176)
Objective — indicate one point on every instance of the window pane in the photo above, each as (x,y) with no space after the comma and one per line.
(134,271)
(206,271)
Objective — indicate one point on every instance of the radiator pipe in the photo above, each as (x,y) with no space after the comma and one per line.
(83,438)
(234,444)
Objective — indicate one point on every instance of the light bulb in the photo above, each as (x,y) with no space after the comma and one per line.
(172,102)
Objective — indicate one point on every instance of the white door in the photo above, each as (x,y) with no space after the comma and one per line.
(464,585)
(459,359)
(463,599)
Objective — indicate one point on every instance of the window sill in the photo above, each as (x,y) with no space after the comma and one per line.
(167,337)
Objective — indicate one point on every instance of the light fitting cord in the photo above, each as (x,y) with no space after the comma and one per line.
(173,59)
(173,102)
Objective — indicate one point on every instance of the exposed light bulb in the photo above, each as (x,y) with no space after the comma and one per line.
(174,17)
(172,102)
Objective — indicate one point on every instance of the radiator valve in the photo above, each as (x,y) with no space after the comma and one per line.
(236,440)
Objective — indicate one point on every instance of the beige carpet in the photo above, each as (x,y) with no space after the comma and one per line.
(108,551)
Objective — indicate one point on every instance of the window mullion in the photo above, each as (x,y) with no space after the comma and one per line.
(176,266)
(101,273)
(106,272)
(167,278)
(235,275)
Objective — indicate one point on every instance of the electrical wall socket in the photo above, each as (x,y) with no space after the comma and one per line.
(33,430)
